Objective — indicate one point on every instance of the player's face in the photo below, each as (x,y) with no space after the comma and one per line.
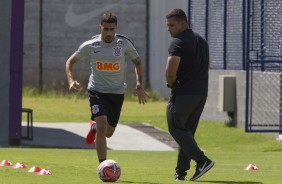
(174,26)
(108,31)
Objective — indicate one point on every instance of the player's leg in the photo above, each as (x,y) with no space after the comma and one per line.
(99,115)
(106,119)
(110,130)
(113,105)
(97,109)
(101,142)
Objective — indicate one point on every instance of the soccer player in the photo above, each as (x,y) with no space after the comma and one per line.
(106,53)
(187,76)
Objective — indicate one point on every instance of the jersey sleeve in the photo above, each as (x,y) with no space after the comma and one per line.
(82,51)
(175,47)
(131,51)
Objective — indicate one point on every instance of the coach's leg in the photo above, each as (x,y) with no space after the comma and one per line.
(101,142)
(183,162)
(178,113)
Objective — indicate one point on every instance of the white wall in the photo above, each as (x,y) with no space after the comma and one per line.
(66,25)
(159,41)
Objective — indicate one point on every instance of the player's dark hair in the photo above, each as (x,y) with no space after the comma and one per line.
(109,18)
(178,14)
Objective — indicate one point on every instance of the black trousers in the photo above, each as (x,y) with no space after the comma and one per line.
(183,115)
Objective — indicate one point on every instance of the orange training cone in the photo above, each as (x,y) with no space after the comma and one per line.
(19,165)
(251,167)
(5,163)
(34,169)
(45,172)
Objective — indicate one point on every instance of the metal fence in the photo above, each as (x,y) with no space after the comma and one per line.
(264,66)
(263,96)
(238,30)
(246,35)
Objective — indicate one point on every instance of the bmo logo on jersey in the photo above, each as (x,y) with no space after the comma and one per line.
(107,66)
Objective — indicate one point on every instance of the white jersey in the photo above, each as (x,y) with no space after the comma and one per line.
(107,61)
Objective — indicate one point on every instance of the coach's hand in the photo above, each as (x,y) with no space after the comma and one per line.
(141,94)
(74,86)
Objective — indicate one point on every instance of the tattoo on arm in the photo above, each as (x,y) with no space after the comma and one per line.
(140,79)
(138,69)
(137,61)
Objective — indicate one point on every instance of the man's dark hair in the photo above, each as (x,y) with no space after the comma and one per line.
(109,18)
(178,14)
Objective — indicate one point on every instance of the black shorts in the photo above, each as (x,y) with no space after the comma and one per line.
(106,104)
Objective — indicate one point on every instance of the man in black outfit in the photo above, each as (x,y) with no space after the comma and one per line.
(187,75)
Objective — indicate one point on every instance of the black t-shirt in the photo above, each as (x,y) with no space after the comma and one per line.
(192,73)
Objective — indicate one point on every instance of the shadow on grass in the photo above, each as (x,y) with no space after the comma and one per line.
(143,182)
(222,182)
(232,182)
(55,138)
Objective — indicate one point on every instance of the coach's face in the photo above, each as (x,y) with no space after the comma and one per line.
(175,27)
(108,31)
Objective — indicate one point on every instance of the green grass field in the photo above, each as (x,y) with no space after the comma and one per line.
(79,166)
(78,110)
(231,148)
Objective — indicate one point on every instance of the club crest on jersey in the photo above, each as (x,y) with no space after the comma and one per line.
(117,51)
(95,109)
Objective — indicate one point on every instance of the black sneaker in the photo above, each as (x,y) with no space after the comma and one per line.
(179,177)
(202,169)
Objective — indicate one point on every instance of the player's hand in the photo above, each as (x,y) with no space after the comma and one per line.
(141,94)
(74,86)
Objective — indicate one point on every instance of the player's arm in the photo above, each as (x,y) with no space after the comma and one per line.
(138,71)
(139,90)
(73,84)
(171,70)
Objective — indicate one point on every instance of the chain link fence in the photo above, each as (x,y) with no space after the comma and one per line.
(246,35)
(238,30)
(264,100)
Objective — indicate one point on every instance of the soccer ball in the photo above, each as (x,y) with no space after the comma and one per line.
(109,171)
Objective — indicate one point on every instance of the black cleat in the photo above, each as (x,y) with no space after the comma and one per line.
(202,169)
